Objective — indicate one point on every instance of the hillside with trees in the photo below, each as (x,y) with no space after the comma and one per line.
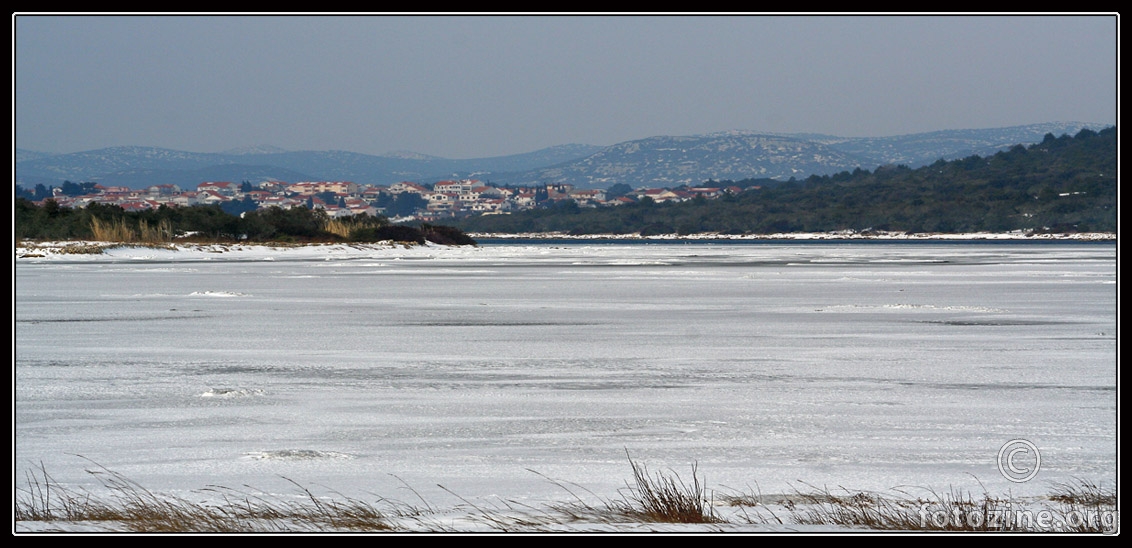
(1062,184)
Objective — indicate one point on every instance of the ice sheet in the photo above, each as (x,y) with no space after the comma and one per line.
(481,372)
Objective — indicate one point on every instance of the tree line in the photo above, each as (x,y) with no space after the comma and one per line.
(210,223)
(1063,184)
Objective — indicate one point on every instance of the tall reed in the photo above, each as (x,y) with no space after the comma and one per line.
(119,231)
(339,227)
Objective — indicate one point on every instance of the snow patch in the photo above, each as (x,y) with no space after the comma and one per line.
(217,294)
(231,392)
(296,454)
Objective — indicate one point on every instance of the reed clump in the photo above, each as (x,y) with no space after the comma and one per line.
(119,231)
(660,497)
(663,497)
(339,227)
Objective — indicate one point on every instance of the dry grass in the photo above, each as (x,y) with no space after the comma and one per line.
(343,227)
(1084,493)
(83,248)
(661,497)
(1083,507)
(1089,500)
(954,511)
(650,498)
(339,227)
(666,498)
(133,508)
(119,231)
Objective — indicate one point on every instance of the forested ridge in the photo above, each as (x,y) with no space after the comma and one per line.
(1063,184)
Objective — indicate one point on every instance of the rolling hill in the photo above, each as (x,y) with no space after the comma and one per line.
(655,161)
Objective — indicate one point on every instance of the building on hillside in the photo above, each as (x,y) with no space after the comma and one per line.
(222,188)
(374,192)
(163,190)
(659,195)
(308,188)
(491,206)
(442,201)
(620,200)
(186,199)
(281,202)
(274,187)
(139,205)
(209,197)
(707,192)
(405,186)
(588,197)
(559,192)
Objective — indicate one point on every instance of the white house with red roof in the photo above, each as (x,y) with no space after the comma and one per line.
(525,200)
(442,201)
(706,192)
(258,196)
(281,202)
(406,186)
(493,205)
(163,190)
(273,187)
(620,200)
(658,195)
(209,197)
(458,187)
(588,197)
(374,192)
(222,188)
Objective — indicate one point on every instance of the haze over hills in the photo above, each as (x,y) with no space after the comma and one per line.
(673,161)
(135,166)
(655,161)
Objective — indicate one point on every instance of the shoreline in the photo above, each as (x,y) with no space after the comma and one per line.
(27,249)
(837,235)
(135,250)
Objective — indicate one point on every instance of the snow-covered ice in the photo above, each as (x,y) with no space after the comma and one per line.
(451,375)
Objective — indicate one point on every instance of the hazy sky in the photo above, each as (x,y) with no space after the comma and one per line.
(466,86)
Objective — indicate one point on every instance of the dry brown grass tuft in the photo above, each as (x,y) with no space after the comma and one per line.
(666,498)
(119,231)
(651,498)
(338,227)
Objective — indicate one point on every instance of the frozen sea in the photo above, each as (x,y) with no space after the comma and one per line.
(468,376)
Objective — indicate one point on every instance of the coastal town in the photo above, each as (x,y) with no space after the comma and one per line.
(403,201)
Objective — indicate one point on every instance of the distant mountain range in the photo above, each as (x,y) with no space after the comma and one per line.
(653,162)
